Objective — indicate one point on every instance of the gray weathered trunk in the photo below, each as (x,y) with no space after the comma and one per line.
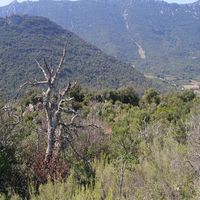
(50,143)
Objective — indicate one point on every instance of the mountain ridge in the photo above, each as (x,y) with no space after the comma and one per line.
(167,34)
(24,38)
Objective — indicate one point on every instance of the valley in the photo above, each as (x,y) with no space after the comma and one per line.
(177,82)
(193,85)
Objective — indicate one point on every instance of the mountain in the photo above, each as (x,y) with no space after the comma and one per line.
(157,37)
(24,39)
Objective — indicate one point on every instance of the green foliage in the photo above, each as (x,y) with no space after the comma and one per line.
(13,176)
(24,39)
(187,95)
(170,36)
(78,94)
(127,95)
(150,96)
(143,150)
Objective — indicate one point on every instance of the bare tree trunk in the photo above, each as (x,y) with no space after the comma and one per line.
(121,182)
(50,143)
(53,113)
(58,141)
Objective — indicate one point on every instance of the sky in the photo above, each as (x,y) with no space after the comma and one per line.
(5,2)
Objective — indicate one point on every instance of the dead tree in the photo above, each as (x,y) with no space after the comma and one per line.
(53,106)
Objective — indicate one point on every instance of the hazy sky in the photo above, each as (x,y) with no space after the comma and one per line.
(4,2)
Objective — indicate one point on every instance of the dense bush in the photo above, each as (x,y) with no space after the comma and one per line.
(140,148)
(127,95)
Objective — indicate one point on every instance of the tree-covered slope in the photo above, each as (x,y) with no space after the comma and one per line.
(156,36)
(24,39)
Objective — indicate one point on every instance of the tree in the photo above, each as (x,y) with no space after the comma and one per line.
(151,96)
(13,177)
(53,103)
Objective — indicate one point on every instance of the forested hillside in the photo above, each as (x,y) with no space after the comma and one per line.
(25,39)
(157,37)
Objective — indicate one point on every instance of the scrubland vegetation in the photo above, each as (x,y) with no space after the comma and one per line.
(63,141)
(123,146)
